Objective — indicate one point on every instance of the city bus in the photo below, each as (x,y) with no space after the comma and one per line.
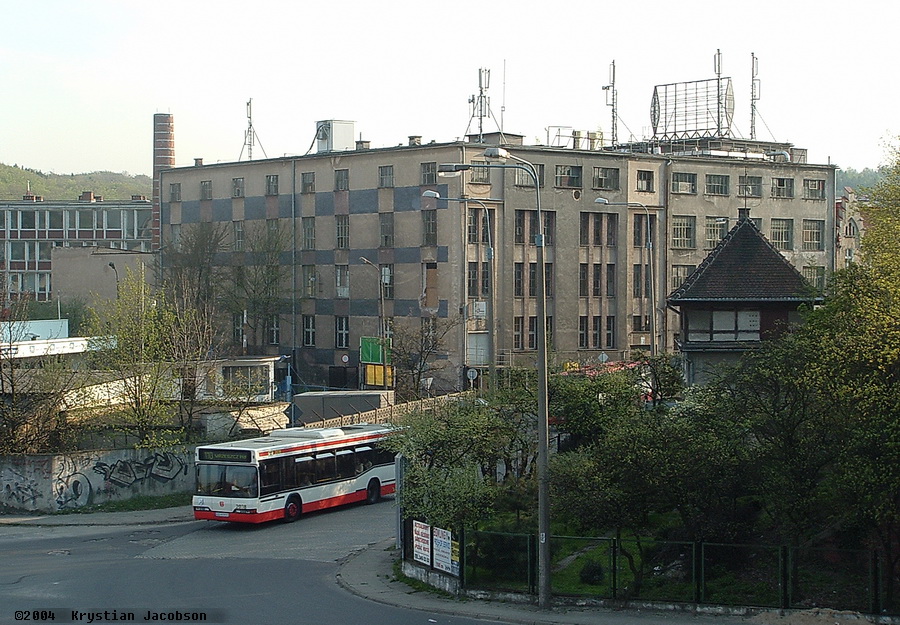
(292,471)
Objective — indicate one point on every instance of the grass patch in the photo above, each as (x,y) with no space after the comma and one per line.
(141,502)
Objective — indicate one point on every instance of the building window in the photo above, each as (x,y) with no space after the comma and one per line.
(309,331)
(472,226)
(597,280)
(640,323)
(548,279)
(272,184)
(308,182)
(645,181)
(519,280)
(783,187)
(597,332)
(341,179)
(472,280)
(610,332)
(518,332)
(237,187)
(532,332)
(583,280)
(723,325)
(206,189)
(606,178)
(342,332)
(520,226)
(386,226)
(568,176)
(680,273)
(750,186)
(275,330)
(429,173)
(716,229)
(683,232)
(684,182)
(783,234)
(640,230)
(342,231)
(429,227)
(524,179)
(641,281)
(584,229)
(310,281)
(387,281)
(549,226)
(237,328)
(342,281)
(175,192)
(813,235)
(814,189)
(428,332)
(610,280)
(485,279)
(532,279)
(308,225)
(612,229)
(717,184)
(238,228)
(385,176)
(815,275)
(479,174)
(582,332)
(272,229)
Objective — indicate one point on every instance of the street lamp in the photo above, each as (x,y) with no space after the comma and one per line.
(490,260)
(112,266)
(543,457)
(651,263)
(380,321)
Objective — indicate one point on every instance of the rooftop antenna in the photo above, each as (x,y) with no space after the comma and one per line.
(717,63)
(503,102)
(481,104)
(250,135)
(612,100)
(754,93)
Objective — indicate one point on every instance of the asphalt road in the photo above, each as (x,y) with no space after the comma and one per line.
(275,573)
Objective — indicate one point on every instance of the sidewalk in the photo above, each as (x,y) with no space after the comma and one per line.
(179,514)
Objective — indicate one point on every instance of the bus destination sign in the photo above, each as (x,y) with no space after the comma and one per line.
(224,455)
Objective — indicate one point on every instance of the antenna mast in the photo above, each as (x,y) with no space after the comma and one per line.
(754,93)
(717,63)
(481,104)
(250,134)
(612,100)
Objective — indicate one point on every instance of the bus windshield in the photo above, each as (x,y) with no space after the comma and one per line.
(225,480)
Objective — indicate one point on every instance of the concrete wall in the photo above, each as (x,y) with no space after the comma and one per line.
(50,483)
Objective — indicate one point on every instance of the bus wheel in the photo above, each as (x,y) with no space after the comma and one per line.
(292,509)
(373,492)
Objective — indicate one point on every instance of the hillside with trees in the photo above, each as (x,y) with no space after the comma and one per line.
(15,182)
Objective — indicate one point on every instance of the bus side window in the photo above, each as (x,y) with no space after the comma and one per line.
(304,468)
(324,467)
(383,456)
(364,458)
(269,476)
(346,464)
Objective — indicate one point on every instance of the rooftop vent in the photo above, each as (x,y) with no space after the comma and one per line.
(415,139)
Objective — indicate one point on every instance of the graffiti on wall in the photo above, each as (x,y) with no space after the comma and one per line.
(160,467)
(74,489)
(19,489)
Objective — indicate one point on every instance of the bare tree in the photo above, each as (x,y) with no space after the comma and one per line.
(416,349)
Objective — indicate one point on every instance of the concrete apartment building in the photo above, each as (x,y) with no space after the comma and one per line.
(348,207)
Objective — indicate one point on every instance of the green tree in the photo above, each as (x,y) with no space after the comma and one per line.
(132,340)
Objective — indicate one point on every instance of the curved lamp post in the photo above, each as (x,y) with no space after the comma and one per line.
(490,260)
(543,443)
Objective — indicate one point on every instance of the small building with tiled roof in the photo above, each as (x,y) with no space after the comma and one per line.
(743,292)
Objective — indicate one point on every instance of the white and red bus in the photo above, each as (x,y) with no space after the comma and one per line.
(292,471)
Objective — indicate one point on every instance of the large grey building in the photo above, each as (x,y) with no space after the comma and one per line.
(348,202)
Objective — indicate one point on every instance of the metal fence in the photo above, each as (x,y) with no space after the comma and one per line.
(667,571)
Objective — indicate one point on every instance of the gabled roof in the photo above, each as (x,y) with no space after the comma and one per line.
(744,266)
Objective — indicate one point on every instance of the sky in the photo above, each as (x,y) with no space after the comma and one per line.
(82,80)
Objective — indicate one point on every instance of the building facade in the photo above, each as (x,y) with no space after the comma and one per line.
(365,244)
(31,228)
